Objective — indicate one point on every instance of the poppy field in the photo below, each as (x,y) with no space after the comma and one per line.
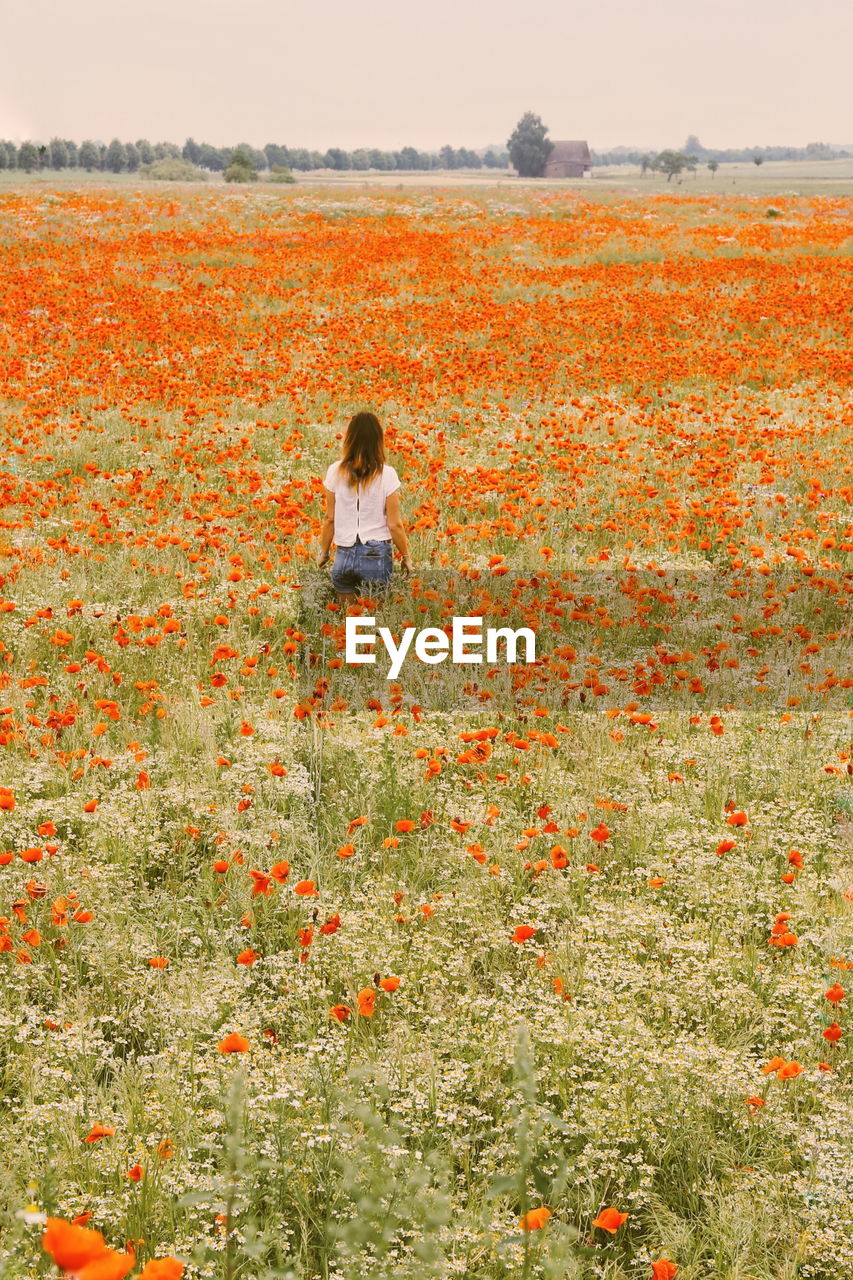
(539,970)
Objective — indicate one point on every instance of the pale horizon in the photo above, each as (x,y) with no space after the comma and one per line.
(320,73)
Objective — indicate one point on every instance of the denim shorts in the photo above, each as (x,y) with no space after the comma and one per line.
(362,563)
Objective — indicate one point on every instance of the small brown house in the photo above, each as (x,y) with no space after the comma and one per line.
(568,160)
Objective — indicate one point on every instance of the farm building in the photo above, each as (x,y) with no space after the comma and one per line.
(568,160)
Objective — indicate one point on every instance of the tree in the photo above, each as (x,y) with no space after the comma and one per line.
(335,158)
(212,158)
(191,151)
(57,154)
(146,151)
(116,158)
(90,156)
(28,157)
(257,158)
(647,161)
(299,158)
(757,160)
(673,162)
(411,158)
(240,167)
(277,155)
(73,153)
(529,146)
(693,144)
(239,173)
(6,161)
(713,165)
(131,155)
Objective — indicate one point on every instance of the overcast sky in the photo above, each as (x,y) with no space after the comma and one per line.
(387,73)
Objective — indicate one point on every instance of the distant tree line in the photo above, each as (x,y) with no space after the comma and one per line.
(128,157)
(409,158)
(63,153)
(731,155)
(529,148)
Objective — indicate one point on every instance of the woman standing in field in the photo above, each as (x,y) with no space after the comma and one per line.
(362,512)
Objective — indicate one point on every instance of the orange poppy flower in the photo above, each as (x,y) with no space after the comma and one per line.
(534,1219)
(367,1002)
(262,884)
(99,1131)
(609,1220)
(234,1043)
(162,1269)
(70,1246)
(110,1266)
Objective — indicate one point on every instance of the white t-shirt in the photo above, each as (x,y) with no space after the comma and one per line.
(360,510)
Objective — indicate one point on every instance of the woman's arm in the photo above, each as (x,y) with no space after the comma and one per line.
(328,532)
(397,529)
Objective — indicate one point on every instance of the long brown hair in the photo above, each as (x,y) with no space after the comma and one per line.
(363,455)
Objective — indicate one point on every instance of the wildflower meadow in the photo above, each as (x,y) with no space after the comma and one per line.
(487,971)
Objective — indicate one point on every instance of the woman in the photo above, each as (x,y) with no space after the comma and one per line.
(362,512)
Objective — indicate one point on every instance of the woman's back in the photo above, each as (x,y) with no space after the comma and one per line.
(360,509)
(363,518)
